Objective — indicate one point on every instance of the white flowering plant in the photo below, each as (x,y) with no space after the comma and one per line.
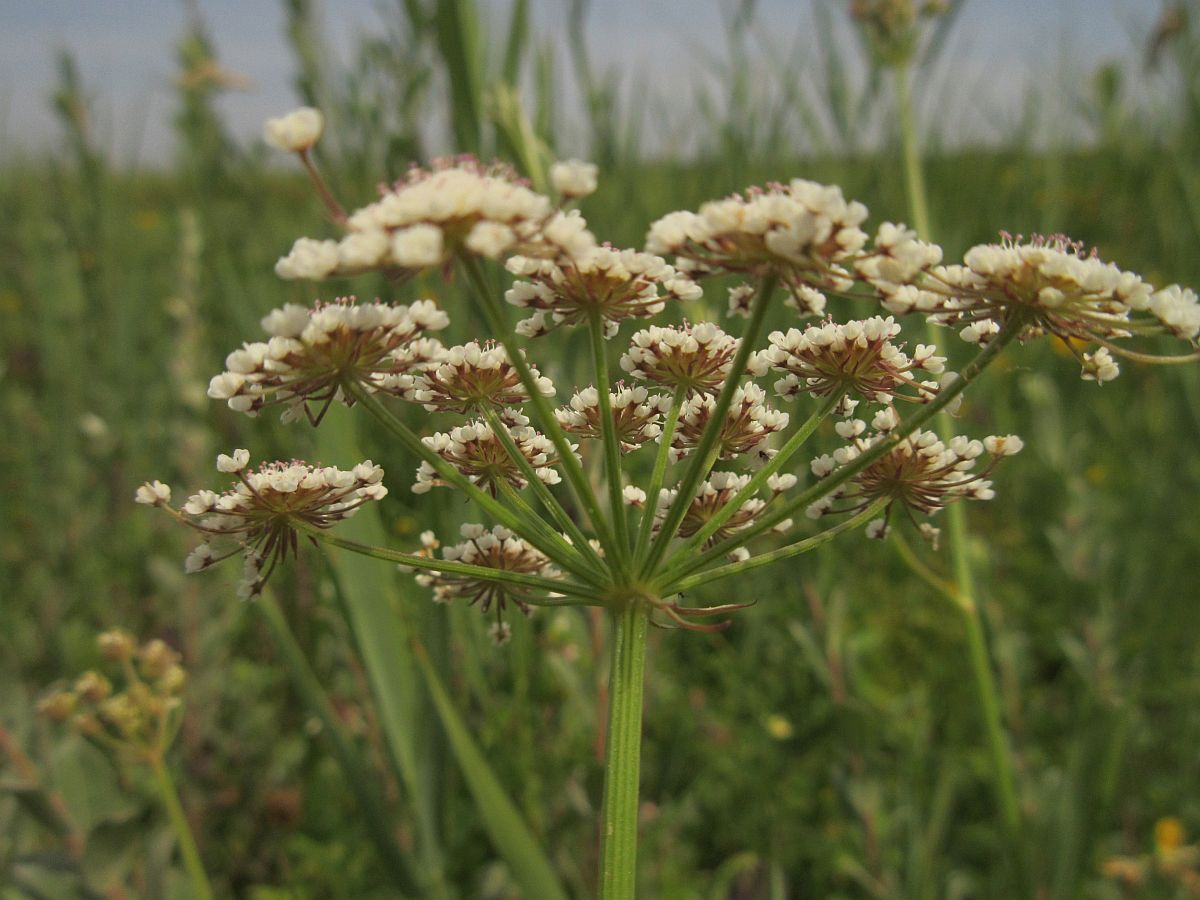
(703,464)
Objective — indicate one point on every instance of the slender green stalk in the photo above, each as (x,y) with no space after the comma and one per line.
(581,546)
(786,452)
(765,559)
(486,501)
(914,174)
(608,432)
(956,525)
(656,477)
(708,441)
(359,778)
(840,476)
(179,824)
(622,768)
(493,310)
(453,567)
(595,571)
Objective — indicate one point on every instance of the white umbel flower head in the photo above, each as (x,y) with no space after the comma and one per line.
(316,354)
(455,206)
(295,132)
(856,357)
(747,427)
(612,284)
(468,379)
(920,473)
(637,415)
(498,548)
(1049,286)
(806,233)
(713,496)
(695,358)
(480,455)
(258,517)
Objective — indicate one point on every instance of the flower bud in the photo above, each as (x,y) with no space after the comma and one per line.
(295,132)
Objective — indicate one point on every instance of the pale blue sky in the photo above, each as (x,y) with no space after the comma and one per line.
(126,51)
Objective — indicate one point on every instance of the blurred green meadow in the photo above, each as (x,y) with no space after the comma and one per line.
(828,744)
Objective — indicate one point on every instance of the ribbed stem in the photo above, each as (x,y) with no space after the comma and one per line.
(622,766)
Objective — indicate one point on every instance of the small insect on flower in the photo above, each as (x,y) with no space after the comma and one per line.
(499,549)
(317,354)
(260,516)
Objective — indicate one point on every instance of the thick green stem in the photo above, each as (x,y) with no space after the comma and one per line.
(622,766)
(701,459)
(493,310)
(608,433)
(956,528)
(363,783)
(656,477)
(183,832)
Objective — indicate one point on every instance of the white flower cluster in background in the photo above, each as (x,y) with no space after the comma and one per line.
(468,379)
(637,415)
(295,132)
(694,358)
(457,205)
(480,455)
(316,352)
(497,548)
(855,357)
(612,284)
(258,516)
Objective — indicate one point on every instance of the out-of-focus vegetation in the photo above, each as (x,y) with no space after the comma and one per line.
(827,745)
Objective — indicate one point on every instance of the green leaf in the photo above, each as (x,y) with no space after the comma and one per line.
(508,831)
(370,599)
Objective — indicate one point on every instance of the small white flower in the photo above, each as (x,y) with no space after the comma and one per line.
(153,493)
(573,178)
(634,495)
(235,463)
(295,132)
